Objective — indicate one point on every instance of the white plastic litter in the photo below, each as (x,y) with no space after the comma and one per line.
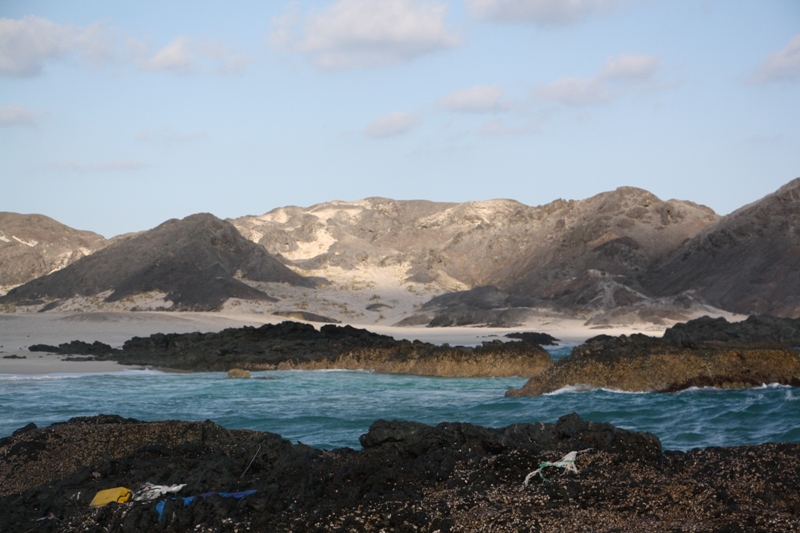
(567,463)
(151,492)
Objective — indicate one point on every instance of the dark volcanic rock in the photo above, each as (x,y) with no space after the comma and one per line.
(296,345)
(487,306)
(746,262)
(49,348)
(755,329)
(308,317)
(409,477)
(196,262)
(542,339)
(639,363)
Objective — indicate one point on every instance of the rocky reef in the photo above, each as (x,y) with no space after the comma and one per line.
(408,477)
(293,345)
(761,329)
(700,353)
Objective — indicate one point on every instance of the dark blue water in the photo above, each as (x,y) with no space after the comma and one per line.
(332,408)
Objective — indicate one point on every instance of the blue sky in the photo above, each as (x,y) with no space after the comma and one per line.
(116,116)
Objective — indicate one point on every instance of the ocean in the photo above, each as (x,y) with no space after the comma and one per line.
(331,409)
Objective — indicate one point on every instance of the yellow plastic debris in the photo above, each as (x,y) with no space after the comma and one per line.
(117,494)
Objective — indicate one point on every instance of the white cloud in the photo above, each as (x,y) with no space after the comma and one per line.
(618,74)
(629,68)
(541,12)
(175,57)
(27,44)
(103,166)
(184,55)
(480,98)
(16,115)
(783,65)
(391,125)
(227,62)
(575,91)
(365,33)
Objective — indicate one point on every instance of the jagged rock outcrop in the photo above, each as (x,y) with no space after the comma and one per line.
(35,245)
(195,264)
(408,476)
(756,329)
(300,346)
(702,353)
(746,263)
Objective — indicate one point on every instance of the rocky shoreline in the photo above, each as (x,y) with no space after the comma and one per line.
(293,345)
(643,364)
(408,477)
(704,352)
(700,353)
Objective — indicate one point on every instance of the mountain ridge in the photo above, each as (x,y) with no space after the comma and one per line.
(619,256)
(747,262)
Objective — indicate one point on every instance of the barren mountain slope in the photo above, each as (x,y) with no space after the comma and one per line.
(35,245)
(597,249)
(348,235)
(531,251)
(189,264)
(748,262)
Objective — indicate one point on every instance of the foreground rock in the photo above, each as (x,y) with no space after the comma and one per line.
(701,353)
(408,477)
(292,345)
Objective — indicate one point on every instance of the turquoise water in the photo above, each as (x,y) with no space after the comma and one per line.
(331,409)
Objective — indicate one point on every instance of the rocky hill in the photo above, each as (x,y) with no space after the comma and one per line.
(32,246)
(618,257)
(746,263)
(496,242)
(585,255)
(196,263)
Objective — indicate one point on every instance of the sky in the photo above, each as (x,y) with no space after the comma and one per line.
(116,116)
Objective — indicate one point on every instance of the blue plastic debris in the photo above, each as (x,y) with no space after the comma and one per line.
(188,499)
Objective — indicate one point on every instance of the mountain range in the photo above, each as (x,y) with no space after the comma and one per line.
(619,256)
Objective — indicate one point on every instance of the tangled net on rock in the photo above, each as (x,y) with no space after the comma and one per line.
(567,463)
